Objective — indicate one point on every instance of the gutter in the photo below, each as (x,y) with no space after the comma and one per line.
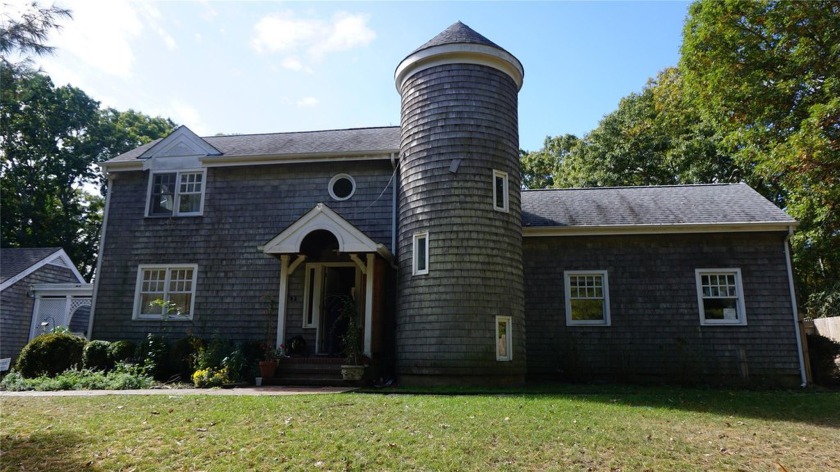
(97,275)
(803,374)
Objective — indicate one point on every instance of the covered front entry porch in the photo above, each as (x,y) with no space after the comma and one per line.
(327,264)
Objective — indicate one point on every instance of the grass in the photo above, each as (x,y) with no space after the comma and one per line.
(639,428)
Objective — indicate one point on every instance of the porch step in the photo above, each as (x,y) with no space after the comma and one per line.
(310,372)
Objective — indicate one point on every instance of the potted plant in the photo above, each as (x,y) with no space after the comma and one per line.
(351,341)
(269,363)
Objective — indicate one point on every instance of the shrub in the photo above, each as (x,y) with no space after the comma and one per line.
(183,355)
(121,351)
(212,356)
(96,355)
(122,377)
(205,378)
(50,354)
(152,353)
(823,353)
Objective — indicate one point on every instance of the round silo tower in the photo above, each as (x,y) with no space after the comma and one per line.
(460,314)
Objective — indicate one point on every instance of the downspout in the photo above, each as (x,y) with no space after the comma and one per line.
(394,164)
(97,275)
(803,375)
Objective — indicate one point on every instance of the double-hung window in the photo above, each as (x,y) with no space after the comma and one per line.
(178,193)
(720,297)
(587,298)
(165,292)
(500,191)
(420,254)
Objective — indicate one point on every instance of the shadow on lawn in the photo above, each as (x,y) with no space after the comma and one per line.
(816,407)
(44,450)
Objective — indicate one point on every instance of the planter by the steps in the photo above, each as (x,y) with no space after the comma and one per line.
(353,372)
(267,369)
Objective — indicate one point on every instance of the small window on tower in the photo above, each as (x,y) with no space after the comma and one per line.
(500,190)
(420,263)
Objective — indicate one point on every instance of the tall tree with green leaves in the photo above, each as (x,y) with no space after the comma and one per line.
(50,140)
(540,168)
(766,74)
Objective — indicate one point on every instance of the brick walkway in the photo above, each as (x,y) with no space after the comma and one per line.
(271,390)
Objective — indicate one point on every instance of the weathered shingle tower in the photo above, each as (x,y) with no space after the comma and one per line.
(460,316)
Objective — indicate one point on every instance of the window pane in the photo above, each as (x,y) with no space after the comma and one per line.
(720,308)
(587,309)
(500,191)
(189,203)
(421,253)
(182,301)
(146,307)
(163,194)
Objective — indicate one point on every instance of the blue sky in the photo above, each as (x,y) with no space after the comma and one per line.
(259,67)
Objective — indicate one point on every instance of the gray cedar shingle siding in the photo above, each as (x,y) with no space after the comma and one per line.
(446,319)
(655,329)
(16,303)
(244,208)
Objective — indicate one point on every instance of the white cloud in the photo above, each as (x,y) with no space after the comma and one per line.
(185,114)
(308,102)
(293,63)
(284,33)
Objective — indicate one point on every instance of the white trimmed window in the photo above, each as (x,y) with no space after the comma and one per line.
(504,339)
(165,292)
(420,254)
(720,297)
(500,190)
(178,193)
(342,187)
(587,298)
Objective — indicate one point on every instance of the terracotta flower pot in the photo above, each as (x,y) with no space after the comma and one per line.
(267,369)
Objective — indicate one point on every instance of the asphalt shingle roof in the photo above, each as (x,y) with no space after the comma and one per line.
(665,205)
(458,33)
(13,261)
(356,140)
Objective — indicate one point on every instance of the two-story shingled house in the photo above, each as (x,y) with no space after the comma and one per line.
(460,276)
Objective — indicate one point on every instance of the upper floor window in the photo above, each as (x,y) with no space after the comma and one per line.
(420,254)
(178,193)
(720,296)
(500,190)
(165,292)
(342,187)
(587,298)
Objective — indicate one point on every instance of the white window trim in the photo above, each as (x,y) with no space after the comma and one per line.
(139,285)
(414,250)
(567,282)
(508,339)
(334,180)
(176,203)
(504,175)
(739,289)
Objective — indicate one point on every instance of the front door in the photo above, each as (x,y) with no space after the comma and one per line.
(326,284)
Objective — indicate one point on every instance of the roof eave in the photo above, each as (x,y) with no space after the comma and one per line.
(231,161)
(607,230)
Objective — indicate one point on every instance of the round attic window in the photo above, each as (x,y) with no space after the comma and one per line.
(342,187)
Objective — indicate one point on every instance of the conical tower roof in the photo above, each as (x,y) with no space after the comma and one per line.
(460,44)
(458,33)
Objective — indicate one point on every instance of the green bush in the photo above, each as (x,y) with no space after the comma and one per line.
(152,352)
(122,377)
(183,355)
(823,353)
(122,351)
(50,354)
(96,355)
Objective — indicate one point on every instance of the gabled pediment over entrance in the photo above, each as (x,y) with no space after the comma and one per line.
(350,239)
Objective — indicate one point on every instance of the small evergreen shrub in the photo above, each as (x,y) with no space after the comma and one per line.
(96,355)
(183,355)
(50,354)
(152,353)
(122,351)
(824,353)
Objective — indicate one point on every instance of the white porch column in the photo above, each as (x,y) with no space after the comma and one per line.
(281,301)
(369,305)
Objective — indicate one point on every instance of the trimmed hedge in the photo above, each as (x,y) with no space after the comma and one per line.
(50,354)
(96,355)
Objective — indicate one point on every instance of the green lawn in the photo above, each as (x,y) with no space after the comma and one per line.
(612,429)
